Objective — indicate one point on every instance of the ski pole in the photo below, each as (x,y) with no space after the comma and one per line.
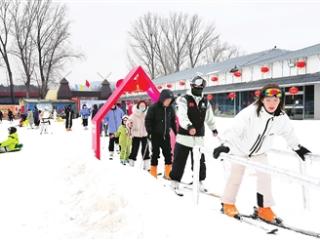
(196,172)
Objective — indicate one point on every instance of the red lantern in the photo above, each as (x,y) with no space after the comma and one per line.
(182,83)
(300,64)
(232,95)
(169,85)
(293,90)
(214,78)
(264,69)
(118,83)
(159,87)
(237,74)
(210,97)
(257,93)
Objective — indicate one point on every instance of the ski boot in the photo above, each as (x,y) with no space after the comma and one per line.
(266,214)
(230,210)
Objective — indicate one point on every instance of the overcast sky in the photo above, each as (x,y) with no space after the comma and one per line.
(99,28)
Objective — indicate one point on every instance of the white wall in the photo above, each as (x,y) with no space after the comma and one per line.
(313,64)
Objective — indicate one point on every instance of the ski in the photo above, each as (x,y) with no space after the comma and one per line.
(257,224)
(15,150)
(178,193)
(284,226)
(296,229)
(167,184)
(211,194)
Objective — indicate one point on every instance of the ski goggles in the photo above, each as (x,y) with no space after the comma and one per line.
(272,92)
(199,83)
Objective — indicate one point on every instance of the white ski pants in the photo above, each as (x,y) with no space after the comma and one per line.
(235,178)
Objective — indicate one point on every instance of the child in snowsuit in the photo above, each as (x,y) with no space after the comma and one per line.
(12,142)
(125,141)
(85,114)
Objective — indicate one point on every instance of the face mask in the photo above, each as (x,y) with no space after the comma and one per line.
(142,109)
(197,91)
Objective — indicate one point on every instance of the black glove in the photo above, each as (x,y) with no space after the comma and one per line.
(220,149)
(301,152)
(215,132)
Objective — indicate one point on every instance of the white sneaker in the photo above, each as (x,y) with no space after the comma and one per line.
(202,187)
(146,164)
(175,185)
(131,163)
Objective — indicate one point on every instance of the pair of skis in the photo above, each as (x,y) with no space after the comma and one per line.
(188,186)
(252,219)
(273,227)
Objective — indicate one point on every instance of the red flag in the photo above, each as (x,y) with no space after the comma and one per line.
(87,84)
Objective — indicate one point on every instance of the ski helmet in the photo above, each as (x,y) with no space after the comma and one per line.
(198,82)
(12,130)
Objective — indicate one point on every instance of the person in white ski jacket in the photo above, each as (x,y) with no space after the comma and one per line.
(44,116)
(193,110)
(139,134)
(251,136)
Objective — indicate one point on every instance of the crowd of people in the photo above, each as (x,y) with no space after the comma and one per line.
(185,117)
(250,137)
(10,115)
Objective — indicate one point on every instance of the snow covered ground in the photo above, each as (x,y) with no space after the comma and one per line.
(55,189)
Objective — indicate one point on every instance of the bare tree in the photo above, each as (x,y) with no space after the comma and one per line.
(5,28)
(200,39)
(165,63)
(51,39)
(142,43)
(169,44)
(220,52)
(176,33)
(24,18)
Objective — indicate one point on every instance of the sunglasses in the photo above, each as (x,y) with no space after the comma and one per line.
(272,92)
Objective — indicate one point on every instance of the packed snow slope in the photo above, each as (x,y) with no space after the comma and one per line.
(55,188)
